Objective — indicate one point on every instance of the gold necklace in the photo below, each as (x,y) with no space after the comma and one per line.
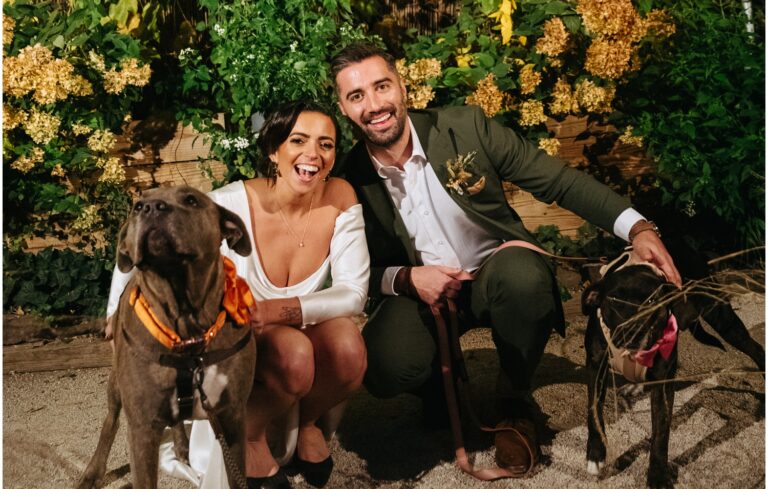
(306,226)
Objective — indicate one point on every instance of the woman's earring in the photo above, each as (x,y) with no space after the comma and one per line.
(327,177)
(276,170)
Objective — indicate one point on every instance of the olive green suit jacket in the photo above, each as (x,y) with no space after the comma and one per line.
(501,155)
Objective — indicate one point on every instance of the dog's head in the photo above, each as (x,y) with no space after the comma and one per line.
(632,302)
(172,225)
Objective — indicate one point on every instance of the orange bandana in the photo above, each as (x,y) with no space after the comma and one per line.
(236,301)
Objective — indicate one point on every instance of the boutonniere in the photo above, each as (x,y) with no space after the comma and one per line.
(460,176)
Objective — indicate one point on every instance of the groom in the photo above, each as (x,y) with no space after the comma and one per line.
(430,183)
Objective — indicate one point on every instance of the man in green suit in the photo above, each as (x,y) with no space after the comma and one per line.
(430,183)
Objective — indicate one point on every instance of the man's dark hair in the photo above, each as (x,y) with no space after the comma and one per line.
(355,53)
(277,127)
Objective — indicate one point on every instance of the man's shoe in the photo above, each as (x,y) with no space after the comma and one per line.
(315,473)
(434,413)
(517,449)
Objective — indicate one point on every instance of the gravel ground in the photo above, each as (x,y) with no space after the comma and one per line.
(51,422)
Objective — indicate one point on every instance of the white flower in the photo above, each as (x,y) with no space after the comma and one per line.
(225,143)
(240,143)
(185,52)
(294,45)
(219,30)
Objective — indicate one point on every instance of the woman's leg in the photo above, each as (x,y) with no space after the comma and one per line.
(340,361)
(284,374)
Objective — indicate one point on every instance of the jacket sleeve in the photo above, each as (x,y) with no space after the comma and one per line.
(350,271)
(549,179)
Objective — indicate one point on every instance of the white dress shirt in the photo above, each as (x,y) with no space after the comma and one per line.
(440,231)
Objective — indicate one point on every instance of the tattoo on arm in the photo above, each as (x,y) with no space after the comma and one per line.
(291,315)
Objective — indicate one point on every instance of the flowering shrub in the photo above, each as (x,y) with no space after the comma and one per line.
(524,62)
(261,53)
(68,84)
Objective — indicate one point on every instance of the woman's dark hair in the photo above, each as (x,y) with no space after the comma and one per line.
(277,127)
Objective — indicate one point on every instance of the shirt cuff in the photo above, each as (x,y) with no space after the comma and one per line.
(625,221)
(388,281)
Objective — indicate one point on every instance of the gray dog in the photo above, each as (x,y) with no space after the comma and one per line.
(181,369)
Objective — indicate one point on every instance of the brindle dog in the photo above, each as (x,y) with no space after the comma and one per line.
(172,240)
(636,310)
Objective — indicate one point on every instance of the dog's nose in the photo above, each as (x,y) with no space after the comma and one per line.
(151,206)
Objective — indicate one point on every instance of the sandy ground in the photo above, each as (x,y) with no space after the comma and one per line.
(51,422)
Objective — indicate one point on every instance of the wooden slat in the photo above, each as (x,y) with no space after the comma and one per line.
(57,355)
(173,173)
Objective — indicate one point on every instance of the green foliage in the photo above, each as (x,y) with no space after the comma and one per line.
(701,108)
(474,47)
(70,81)
(65,83)
(261,54)
(590,242)
(57,282)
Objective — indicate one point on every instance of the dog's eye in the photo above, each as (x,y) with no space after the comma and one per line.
(191,200)
(137,207)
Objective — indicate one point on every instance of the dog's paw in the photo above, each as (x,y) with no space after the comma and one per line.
(595,466)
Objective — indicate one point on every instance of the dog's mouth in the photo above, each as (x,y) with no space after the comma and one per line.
(157,247)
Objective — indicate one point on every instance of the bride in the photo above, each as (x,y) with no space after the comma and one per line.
(306,228)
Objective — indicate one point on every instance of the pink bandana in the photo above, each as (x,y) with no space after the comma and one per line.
(663,345)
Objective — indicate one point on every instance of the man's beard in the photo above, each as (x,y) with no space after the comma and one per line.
(388,138)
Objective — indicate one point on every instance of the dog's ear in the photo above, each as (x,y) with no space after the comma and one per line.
(590,299)
(124,260)
(689,317)
(233,230)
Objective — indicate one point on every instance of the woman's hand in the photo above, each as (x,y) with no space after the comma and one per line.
(276,311)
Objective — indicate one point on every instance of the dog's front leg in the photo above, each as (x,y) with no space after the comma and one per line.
(596,452)
(98,464)
(144,445)
(660,475)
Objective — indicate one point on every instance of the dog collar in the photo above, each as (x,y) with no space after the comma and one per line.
(236,302)
(634,365)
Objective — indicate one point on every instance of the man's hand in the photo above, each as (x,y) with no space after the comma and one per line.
(435,283)
(648,246)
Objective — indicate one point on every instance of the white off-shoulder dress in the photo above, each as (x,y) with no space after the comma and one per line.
(348,267)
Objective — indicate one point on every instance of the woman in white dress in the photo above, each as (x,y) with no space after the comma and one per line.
(305,228)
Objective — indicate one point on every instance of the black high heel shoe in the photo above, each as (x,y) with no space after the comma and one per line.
(315,473)
(277,481)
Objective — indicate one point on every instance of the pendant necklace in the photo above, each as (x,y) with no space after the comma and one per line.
(306,226)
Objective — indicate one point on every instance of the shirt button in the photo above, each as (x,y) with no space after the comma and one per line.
(426,213)
(441,243)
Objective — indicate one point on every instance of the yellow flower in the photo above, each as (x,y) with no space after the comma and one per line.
(608,59)
(25,163)
(504,17)
(130,74)
(487,96)
(36,70)
(523,40)
(593,98)
(612,18)
(555,38)
(551,146)
(80,129)
(564,101)
(419,96)
(424,69)
(532,113)
(8,24)
(101,141)
(12,117)
(41,126)
(87,220)
(659,23)
(58,171)
(113,171)
(629,138)
(529,79)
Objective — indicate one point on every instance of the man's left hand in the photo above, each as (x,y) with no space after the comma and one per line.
(648,246)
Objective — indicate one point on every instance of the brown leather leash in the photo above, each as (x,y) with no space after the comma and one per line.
(451,356)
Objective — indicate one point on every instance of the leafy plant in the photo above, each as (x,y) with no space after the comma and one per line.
(261,53)
(57,281)
(700,107)
(525,61)
(69,82)
(590,242)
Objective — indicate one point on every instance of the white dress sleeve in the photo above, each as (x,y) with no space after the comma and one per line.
(350,270)
(119,282)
